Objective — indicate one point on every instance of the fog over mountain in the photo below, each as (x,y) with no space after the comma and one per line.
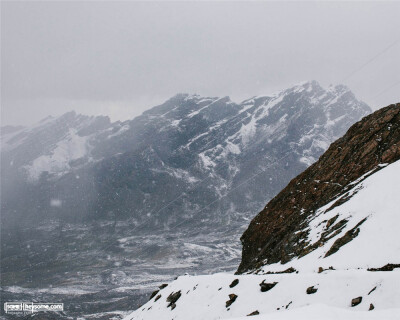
(121,58)
(82,168)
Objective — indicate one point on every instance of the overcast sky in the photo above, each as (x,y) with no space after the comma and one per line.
(120,58)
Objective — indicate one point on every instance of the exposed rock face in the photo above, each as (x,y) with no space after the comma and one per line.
(349,235)
(271,236)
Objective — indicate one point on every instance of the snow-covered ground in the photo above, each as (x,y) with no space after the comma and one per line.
(321,311)
(330,292)
(205,297)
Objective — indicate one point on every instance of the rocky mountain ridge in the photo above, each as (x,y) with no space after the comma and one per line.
(205,147)
(276,234)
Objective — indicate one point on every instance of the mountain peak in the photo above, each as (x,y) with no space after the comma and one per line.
(310,85)
(315,86)
(341,88)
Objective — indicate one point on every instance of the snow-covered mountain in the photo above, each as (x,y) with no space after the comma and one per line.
(140,201)
(326,257)
(203,148)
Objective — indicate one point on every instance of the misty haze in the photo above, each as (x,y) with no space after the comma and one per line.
(200,160)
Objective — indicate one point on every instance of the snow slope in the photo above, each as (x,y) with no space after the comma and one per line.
(203,299)
(320,311)
(376,199)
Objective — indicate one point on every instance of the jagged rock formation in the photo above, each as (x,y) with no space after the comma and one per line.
(81,168)
(277,233)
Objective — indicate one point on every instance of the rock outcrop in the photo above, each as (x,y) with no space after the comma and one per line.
(277,233)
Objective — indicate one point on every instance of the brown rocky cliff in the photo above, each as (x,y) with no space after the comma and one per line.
(271,236)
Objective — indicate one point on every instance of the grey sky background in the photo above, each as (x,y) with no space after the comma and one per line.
(121,58)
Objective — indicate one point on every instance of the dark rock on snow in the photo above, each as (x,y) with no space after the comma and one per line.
(372,290)
(153,294)
(234,283)
(173,298)
(311,290)
(288,270)
(388,267)
(254,313)
(320,269)
(232,299)
(348,236)
(264,287)
(356,301)
(371,307)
